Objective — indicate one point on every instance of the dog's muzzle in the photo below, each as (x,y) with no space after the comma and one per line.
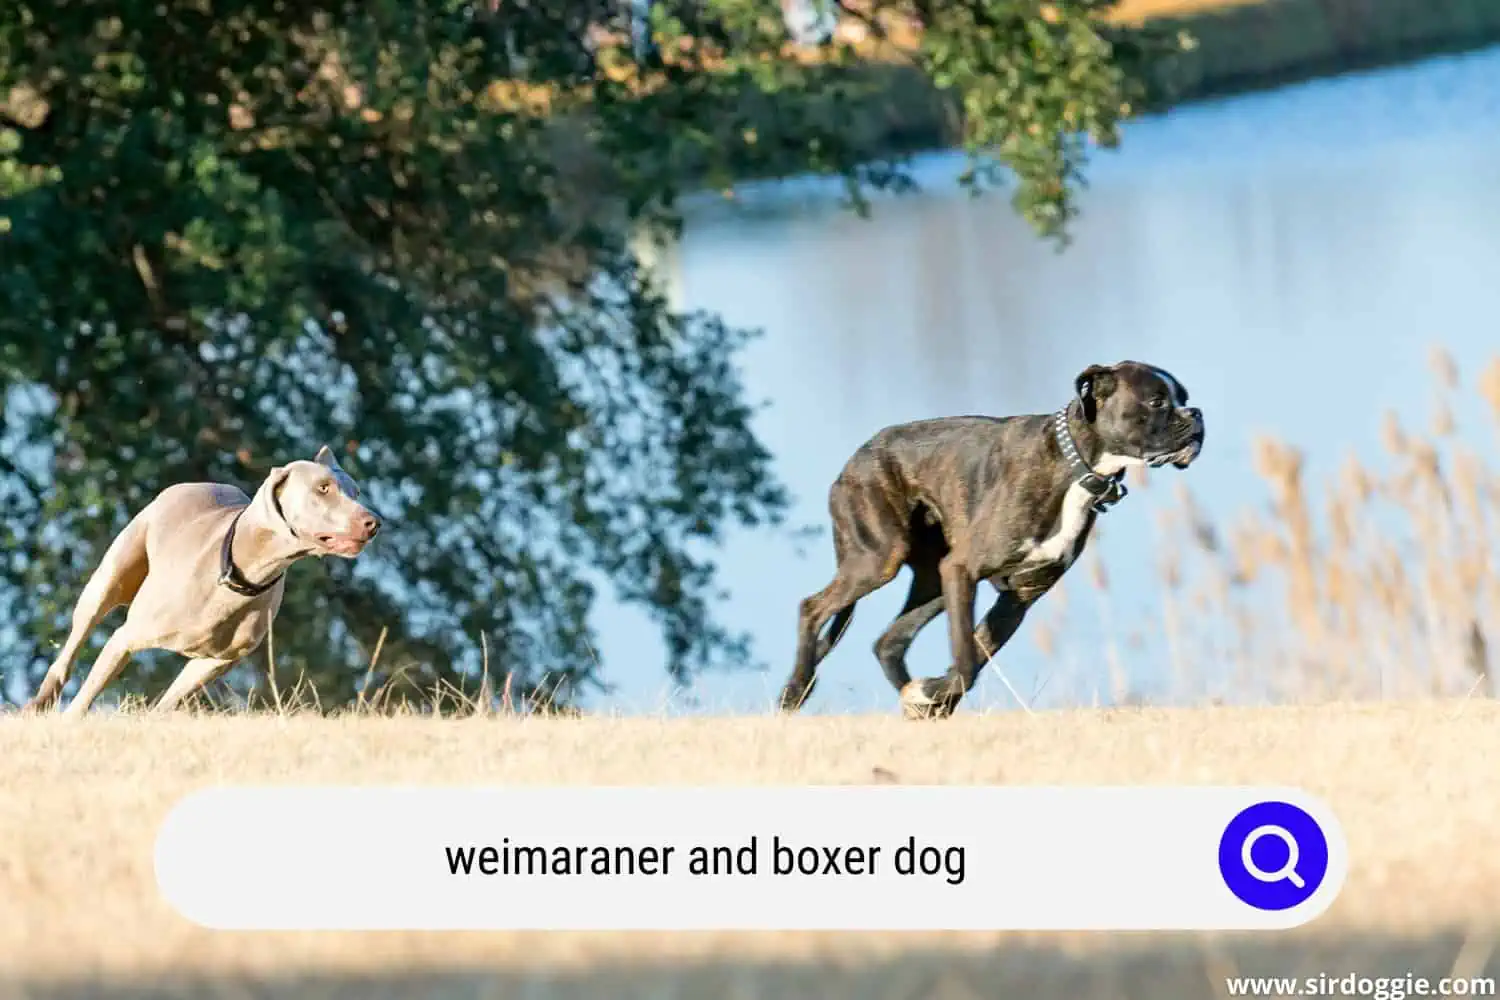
(362,529)
(1182,455)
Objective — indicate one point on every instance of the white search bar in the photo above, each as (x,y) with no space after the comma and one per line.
(715,858)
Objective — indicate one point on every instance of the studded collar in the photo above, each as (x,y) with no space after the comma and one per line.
(1106,490)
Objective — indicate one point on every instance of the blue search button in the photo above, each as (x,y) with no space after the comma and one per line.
(1273,856)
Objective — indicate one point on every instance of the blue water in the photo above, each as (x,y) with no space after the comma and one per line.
(1291,256)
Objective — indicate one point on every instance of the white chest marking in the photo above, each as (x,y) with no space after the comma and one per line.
(1068,531)
(1062,544)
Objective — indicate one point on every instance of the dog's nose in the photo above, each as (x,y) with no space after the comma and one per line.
(368,525)
(1196,414)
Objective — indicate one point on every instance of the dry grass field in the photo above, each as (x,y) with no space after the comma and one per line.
(79,914)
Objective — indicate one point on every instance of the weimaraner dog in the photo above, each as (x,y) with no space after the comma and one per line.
(203,568)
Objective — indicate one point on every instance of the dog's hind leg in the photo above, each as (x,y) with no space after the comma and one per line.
(831,635)
(924,602)
(827,639)
(195,675)
(836,602)
(870,554)
(115,581)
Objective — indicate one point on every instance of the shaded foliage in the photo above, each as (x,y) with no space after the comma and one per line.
(232,231)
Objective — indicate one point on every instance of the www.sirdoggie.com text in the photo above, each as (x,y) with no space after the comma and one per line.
(1354,985)
(755,856)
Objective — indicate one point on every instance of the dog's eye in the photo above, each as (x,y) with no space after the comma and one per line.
(323,489)
(1158,402)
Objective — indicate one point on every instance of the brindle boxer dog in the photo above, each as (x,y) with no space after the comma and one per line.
(1010,500)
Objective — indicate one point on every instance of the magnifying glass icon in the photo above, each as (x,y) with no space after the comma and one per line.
(1288,871)
(1277,881)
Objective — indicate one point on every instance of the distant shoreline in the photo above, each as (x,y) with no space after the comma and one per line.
(1242,46)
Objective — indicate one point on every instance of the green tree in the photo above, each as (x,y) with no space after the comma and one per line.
(232,231)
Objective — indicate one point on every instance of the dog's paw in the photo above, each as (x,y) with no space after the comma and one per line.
(914,700)
(35,707)
(792,699)
(925,699)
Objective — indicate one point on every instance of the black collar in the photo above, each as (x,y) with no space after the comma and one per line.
(1106,490)
(230,575)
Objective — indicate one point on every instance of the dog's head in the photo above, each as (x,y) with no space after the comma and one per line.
(1140,413)
(318,502)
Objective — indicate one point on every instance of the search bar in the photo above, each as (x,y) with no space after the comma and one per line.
(758,858)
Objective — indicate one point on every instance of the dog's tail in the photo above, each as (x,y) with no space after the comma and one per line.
(835,631)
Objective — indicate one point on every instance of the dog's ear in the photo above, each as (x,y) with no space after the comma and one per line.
(273,494)
(325,457)
(271,489)
(1093,384)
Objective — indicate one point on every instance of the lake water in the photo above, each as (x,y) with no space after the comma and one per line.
(1291,256)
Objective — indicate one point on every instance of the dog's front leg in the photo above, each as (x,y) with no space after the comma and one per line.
(937,697)
(112,659)
(1000,623)
(959,591)
(932,697)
